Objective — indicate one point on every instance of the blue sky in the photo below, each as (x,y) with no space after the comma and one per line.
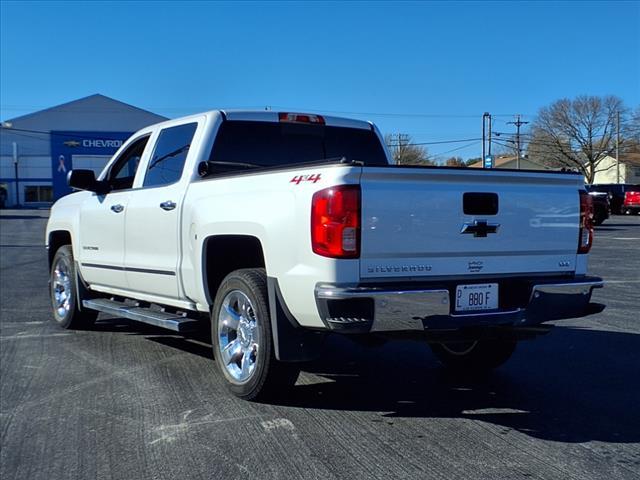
(429,69)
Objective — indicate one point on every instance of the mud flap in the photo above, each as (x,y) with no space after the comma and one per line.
(291,342)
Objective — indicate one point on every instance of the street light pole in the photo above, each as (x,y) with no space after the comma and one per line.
(484,136)
(15,167)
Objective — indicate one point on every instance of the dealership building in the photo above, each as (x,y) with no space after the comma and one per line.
(38,150)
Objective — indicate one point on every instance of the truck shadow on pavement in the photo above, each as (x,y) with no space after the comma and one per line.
(571,386)
(608,225)
(197,343)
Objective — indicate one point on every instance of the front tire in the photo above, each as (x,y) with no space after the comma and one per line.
(65,298)
(475,356)
(242,339)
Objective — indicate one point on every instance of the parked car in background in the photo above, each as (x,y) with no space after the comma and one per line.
(616,193)
(601,207)
(631,201)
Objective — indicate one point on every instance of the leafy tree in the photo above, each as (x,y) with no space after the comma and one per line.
(577,134)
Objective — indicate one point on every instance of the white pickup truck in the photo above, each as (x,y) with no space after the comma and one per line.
(281,227)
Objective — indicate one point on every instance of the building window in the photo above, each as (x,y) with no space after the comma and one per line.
(636,171)
(38,194)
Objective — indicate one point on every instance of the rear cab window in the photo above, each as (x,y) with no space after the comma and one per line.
(253,144)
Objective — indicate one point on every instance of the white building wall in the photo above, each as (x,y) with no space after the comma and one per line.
(633,174)
(607,172)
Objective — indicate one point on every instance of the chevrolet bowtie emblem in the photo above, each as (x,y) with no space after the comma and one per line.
(72,143)
(480,228)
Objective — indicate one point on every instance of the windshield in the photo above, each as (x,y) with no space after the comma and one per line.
(266,144)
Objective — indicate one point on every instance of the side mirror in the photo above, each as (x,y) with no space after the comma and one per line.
(85,180)
(203,169)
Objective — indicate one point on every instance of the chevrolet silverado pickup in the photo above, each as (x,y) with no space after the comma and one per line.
(278,228)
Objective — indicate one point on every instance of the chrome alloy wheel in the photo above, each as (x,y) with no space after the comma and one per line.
(61,288)
(238,336)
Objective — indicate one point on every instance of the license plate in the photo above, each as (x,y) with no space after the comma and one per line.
(476,297)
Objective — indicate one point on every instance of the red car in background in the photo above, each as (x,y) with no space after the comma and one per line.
(618,196)
(631,201)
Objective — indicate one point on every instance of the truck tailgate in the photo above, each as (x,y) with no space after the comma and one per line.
(413,221)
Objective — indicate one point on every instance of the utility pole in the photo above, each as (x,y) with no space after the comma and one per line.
(518,123)
(618,145)
(490,122)
(399,140)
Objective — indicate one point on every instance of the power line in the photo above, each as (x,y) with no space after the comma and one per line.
(629,149)
(439,142)
(631,131)
(14,107)
(435,155)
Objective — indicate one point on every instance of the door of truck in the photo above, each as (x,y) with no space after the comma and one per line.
(152,235)
(102,221)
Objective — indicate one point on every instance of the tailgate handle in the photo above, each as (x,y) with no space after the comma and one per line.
(480,203)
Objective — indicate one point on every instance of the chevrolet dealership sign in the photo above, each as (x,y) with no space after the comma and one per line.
(64,145)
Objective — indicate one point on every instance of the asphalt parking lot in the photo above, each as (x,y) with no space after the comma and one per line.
(127,401)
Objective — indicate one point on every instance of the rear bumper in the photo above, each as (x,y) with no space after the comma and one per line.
(378,309)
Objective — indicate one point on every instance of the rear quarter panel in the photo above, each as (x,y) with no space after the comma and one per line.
(275,210)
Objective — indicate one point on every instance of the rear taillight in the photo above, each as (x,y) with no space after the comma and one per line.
(335,222)
(586,223)
(300,118)
(631,198)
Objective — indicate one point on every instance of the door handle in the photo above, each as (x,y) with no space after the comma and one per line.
(117,208)
(168,205)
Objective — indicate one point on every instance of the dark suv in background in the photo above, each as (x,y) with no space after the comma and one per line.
(617,193)
(601,207)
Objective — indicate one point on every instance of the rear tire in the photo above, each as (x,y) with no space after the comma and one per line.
(66,300)
(598,220)
(476,356)
(242,338)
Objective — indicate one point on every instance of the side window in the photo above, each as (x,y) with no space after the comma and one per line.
(168,158)
(124,169)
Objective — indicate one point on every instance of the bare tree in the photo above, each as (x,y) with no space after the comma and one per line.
(404,152)
(542,149)
(577,133)
(504,148)
(455,162)
(633,129)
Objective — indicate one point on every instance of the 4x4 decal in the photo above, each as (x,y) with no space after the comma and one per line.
(314,177)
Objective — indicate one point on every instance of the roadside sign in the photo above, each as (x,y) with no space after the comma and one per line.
(488,161)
